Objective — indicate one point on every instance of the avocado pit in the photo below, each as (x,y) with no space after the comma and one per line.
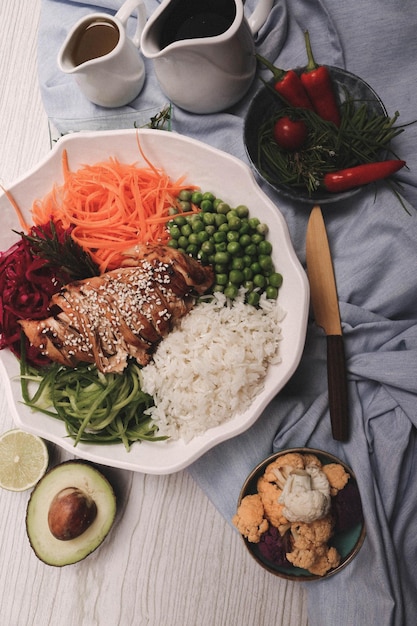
(71,512)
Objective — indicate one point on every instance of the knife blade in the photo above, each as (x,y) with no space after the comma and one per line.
(325,304)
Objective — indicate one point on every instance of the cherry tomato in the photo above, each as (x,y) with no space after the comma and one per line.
(290,134)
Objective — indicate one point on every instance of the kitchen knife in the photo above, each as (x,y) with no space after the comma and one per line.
(325,306)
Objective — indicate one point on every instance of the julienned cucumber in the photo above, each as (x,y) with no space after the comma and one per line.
(95,407)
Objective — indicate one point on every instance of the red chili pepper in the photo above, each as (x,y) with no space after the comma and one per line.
(343,180)
(288,84)
(319,87)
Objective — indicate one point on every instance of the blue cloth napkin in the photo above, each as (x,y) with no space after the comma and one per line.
(374,247)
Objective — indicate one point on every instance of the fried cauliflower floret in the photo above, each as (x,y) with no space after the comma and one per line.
(269,494)
(279,470)
(307,535)
(249,519)
(318,560)
(311,459)
(325,562)
(337,477)
(303,558)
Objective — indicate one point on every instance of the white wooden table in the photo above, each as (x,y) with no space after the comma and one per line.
(171,559)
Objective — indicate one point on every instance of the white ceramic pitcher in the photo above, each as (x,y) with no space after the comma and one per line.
(203,51)
(105,62)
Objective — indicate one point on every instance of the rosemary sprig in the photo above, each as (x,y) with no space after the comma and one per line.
(364,136)
(61,252)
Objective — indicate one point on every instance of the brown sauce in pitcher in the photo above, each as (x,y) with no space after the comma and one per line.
(95,40)
(188,19)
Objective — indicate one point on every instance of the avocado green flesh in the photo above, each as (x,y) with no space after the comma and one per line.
(79,475)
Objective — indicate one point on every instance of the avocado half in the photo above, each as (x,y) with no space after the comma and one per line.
(70,477)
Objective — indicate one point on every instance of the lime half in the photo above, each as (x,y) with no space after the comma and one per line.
(23,460)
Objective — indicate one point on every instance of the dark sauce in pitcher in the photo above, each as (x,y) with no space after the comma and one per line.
(192,19)
(94,40)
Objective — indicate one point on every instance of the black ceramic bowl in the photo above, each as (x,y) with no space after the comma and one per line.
(265,104)
(347,542)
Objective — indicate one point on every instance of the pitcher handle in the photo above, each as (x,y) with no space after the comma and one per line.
(124,13)
(259,15)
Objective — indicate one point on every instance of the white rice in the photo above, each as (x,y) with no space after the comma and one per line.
(212,366)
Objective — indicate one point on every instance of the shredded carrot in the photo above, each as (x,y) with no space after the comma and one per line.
(112,206)
(23,224)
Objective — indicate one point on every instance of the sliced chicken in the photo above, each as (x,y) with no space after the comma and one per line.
(122,313)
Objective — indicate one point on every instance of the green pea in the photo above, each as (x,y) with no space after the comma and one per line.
(244,229)
(193,239)
(210,229)
(233,247)
(232,235)
(185,194)
(203,236)
(242,210)
(262,229)
(224,228)
(238,264)
(275,280)
(222,207)
(209,219)
(182,242)
(259,281)
(234,223)
(207,206)
(222,257)
(265,261)
(185,206)
(253,298)
(265,247)
(247,273)
(173,243)
(256,267)
(248,285)
(175,231)
(250,250)
(218,288)
(222,279)
(219,236)
(271,292)
(244,240)
(236,277)
(197,224)
(254,222)
(196,197)
(247,260)
(220,218)
(179,220)
(220,268)
(256,238)
(207,247)
(231,291)
(186,230)
(221,246)
(192,249)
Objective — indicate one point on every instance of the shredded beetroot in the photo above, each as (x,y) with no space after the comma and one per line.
(26,286)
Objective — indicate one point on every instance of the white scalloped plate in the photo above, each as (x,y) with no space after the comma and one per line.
(214,171)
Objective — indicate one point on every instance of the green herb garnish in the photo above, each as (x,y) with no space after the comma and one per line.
(362,137)
(60,250)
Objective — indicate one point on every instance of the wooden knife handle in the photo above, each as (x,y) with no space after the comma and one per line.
(337,383)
